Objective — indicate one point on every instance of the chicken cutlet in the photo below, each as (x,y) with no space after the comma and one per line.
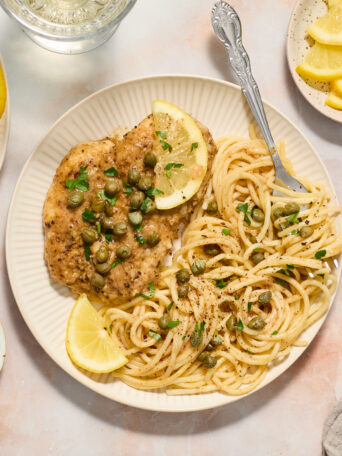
(90,244)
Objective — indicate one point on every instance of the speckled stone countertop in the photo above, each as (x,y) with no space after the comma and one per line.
(43,411)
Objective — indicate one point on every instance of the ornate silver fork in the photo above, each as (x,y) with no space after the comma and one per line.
(227,26)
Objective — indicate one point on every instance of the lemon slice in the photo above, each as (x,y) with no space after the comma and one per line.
(182,155)
(322,63)
(334,100)
(332,3)
(3,92)
(336,86)
(328,29)
(87,341)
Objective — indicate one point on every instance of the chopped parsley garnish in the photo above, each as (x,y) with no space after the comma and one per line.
(116,262)
(128,188)
(173,165)
(220,283)
(320,254)
(141,295)
(236,297)
(290,266)
(139,238)
(199,329)
(274,333)
(153,191)
(165,145)
(88,215)
(111,172)
(244,208)
(162,134)
(102,194)
(249,305)
(111,328)
(138,228)
(168,174)
(239,325)
(173,323)
(144,205)
(87,251)
(80,182)
(183,337)
(226,231)
(294,231)
(284,271)
(169,307)
(193,146)
(293,218)
(155,335)
(247,220)
(98,227)
(256,248)
(152,289)
(108,237)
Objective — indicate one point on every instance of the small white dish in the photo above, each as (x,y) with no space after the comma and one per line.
(46,305)
(2,347)
(4,121)
(305,13)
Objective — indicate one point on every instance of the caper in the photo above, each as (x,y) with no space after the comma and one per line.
(136,200)
(120,229)
(153,238)
(75,199)
(216,340)
(210,347)
(256,323)
(164,321)
(102,254)
(150,207)
(112,187)
(183,275)
(196,339)
(282,282)
(198,267)
(265,297)
(145,183)
(257,257)
(225,306)
(231,323)
(103,268)
(108,209)
(305,232)
(133,176)
(209,362)
(203,355)
(258,214)
(212,249)
(278,212)
(183,290)
(98,205)
(135,217)
(107,223)
(291,208)
(150,160)
(97,281)
(124,252)
(212,208)
(253,239)
(89,235)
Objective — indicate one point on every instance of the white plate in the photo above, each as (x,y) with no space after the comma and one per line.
(46,305)
(2,347)
(305,13)
(4,121)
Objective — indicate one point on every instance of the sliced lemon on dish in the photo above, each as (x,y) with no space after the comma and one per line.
(3,92)
(334,100)
(332,3)
(87,341)
(328,28)
(336,86)
(182,155)
(322,63)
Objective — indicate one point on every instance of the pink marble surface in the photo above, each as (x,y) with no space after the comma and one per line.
(45,412)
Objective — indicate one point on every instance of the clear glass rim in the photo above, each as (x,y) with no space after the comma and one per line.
(38,31)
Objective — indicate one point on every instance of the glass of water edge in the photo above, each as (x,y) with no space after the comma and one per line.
(68,26)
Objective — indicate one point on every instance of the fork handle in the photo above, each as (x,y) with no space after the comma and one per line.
(227,26)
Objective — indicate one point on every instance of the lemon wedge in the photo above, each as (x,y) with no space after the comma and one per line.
(88,343)
(322,63)
(328,28)
(337,86)
(332,3)
(182,155)
(334,100)
(3,92)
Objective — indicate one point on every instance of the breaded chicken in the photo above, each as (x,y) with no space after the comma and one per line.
(64,248)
